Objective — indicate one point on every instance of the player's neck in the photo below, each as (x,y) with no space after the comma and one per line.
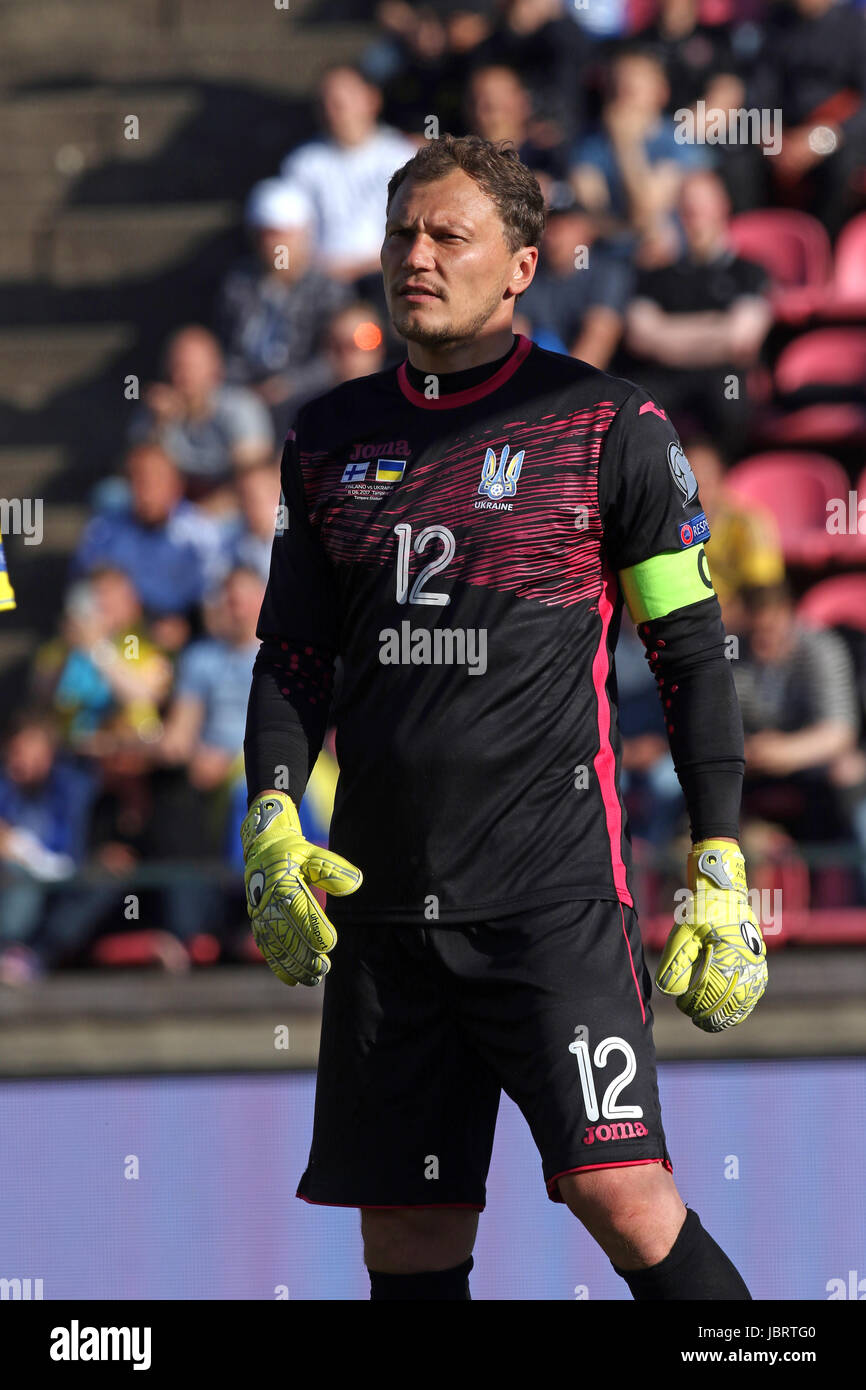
(462,356)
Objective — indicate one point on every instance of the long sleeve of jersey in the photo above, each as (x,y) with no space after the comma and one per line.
(293,674)
(654,532)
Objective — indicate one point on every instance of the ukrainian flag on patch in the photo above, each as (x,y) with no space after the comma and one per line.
(389,470)
(7,596)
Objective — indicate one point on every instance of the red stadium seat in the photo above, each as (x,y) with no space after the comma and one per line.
(846,297)
(827,356)
(818,425)
(137,949)
(794,249)
(826,360)
(836,602)
(796,488)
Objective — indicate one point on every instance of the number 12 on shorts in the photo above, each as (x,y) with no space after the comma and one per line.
(609,1108)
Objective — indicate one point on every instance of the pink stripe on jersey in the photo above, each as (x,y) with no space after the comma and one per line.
(631,963)
(473,393)
(604,761)
(546,547)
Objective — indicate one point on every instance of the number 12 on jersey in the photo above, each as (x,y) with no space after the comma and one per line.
(435,566)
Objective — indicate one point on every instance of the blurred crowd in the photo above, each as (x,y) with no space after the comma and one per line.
(126,750)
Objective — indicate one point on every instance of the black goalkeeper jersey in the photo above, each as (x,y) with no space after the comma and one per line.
(460,553)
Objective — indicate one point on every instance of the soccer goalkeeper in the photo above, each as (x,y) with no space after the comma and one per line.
(462,531)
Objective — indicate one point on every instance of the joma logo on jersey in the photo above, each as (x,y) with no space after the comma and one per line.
(604,1133)
(369,451)
(499,476)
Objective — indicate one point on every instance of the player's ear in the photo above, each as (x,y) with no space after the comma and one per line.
(523,269)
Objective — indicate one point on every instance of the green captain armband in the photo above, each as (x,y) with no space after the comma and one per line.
(666,582)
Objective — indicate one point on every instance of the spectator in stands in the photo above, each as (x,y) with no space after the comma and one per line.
(467,24)
(798,696)
(104,676)
(499,107)
(712,64)
(205,425)
(197,762)
(354,346)
(745,549)
(166,545)
(204,725)
(696,326)
(258,490)
(273,308)
(550,54)
(629,171)
(815,71)
(579,292)
(44,808)
(693,53)
(345,173)
(418,75)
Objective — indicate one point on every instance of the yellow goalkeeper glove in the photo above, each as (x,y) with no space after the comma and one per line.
(290,929)
(716,964)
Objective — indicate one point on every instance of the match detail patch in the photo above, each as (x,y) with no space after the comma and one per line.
(696,531)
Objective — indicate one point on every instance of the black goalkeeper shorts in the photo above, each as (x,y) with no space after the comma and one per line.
(424,1026)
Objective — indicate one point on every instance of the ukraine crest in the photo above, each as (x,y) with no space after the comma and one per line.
(499,476)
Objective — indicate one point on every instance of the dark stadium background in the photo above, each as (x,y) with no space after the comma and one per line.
(141,1036)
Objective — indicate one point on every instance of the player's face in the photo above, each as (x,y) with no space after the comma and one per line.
(448,272)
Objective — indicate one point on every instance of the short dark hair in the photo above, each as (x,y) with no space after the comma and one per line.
(497,169)
(39,717)
(356,69)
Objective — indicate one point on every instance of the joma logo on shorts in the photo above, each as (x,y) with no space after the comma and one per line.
(604,1133)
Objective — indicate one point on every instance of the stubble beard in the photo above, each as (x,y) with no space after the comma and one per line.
(454,333)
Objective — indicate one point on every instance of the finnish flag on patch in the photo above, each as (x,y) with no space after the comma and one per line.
(389,470)
(355,472)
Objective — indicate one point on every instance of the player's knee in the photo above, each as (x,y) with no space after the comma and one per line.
(406,1241)
(618,1198)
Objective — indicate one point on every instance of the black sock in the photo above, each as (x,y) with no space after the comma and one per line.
(695,1268)
(437,1286)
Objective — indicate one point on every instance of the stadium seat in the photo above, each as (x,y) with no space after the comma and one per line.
(825,357)
(137,949)
(821,426)
(846,297)
(836,602)
(796,488)
(794,249)
(825,370)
